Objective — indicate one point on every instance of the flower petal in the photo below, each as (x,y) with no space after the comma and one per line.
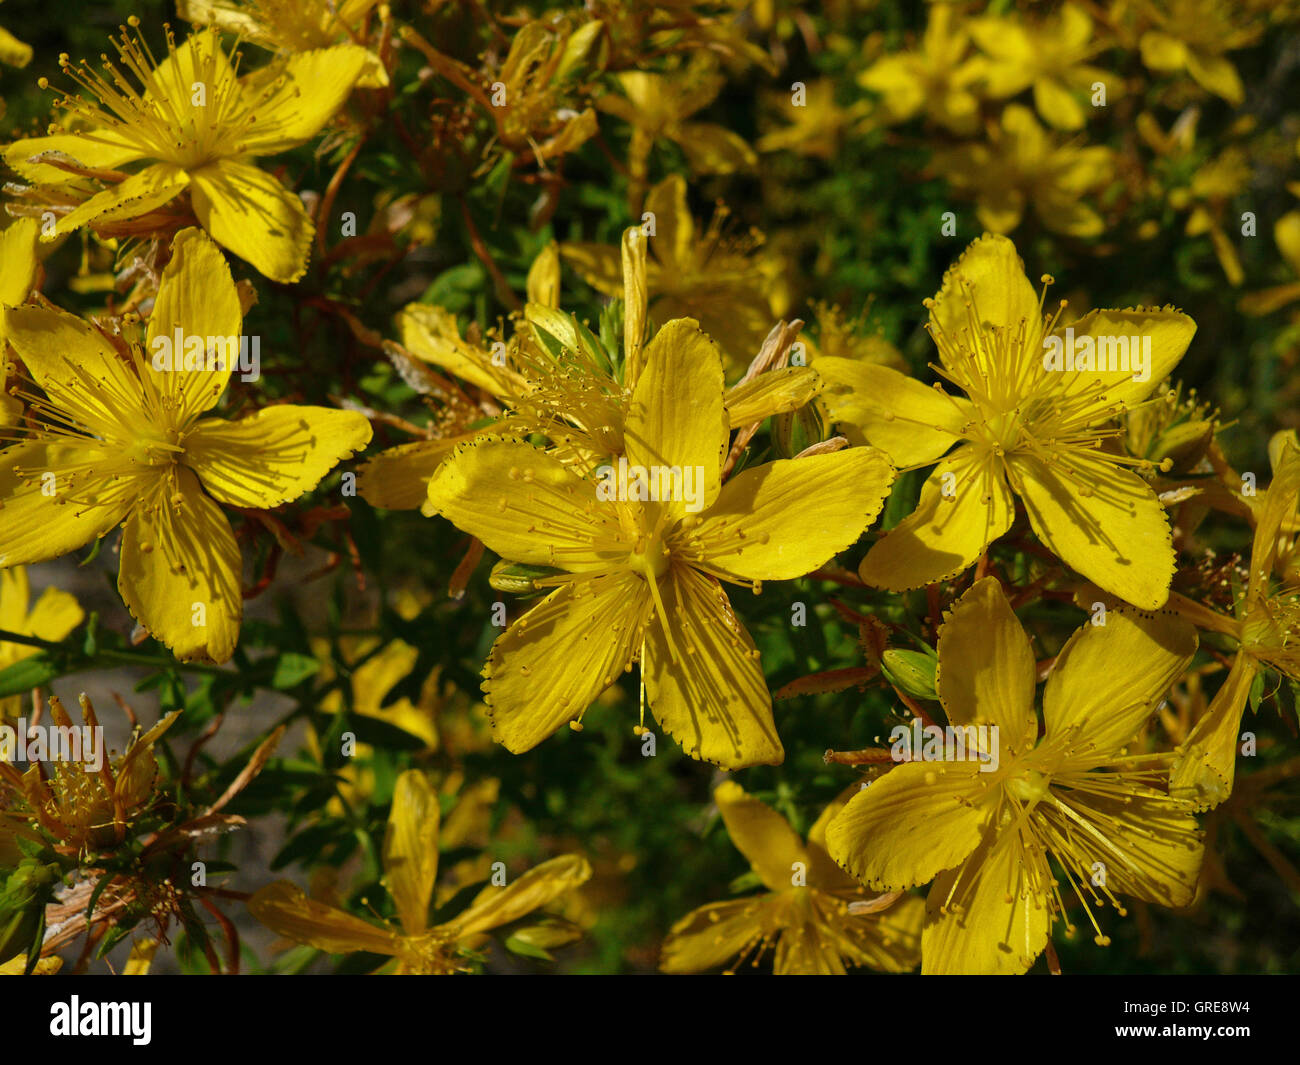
(527,506)
(990,916)
(180,570)
(1207,762)
(36,526)
(1153,848)
(307,90)
(986,285)
(910,422)
(275,455)
(1101,520)
(706,687)
(1107,680)
(75,365)
(89,149)
(286,910)
(759,530)
(677,417)
(1116,336)
(986,671)
(917,820)
(761,834)
(552,663)
(252,214)
(715,934)
(196,301)
(496,906)
(411,849)
(946,533)
(398,479)
(137,195)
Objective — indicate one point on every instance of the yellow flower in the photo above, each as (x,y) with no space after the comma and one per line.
(640,577)
(1267,628)
(196,126)
(1076,795)
(657,106)
(1025,430)
(410,870)
(721,281)
(289,26)
(1193,35)
(817,125)
(1022,166)
(1047,56)
(938,79)
(122,441)
(55,614)
(553,378)
(804,912)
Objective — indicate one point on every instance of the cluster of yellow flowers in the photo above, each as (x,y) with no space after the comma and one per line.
(619,480)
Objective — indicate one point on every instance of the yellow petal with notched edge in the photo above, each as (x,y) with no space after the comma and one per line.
(965,505)
(196,300)
(1207,762)
(541,885)
(762,835)
(398,479)
(17,262)
(1118,337)
(89,149)
(991,915)
(917,820)
(1108,678)
(759,530)
(703,679)
(715,934)
(986,671)
(307,91)
(137,195)
(77,367)
(180,570)
(275,455)
(910,422)
(527,506)
(676,417)
(1101,520)
(36,526)
(986,285)
(550,665)
(1152,849)
(253,215)
(286,910)
(411,849)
